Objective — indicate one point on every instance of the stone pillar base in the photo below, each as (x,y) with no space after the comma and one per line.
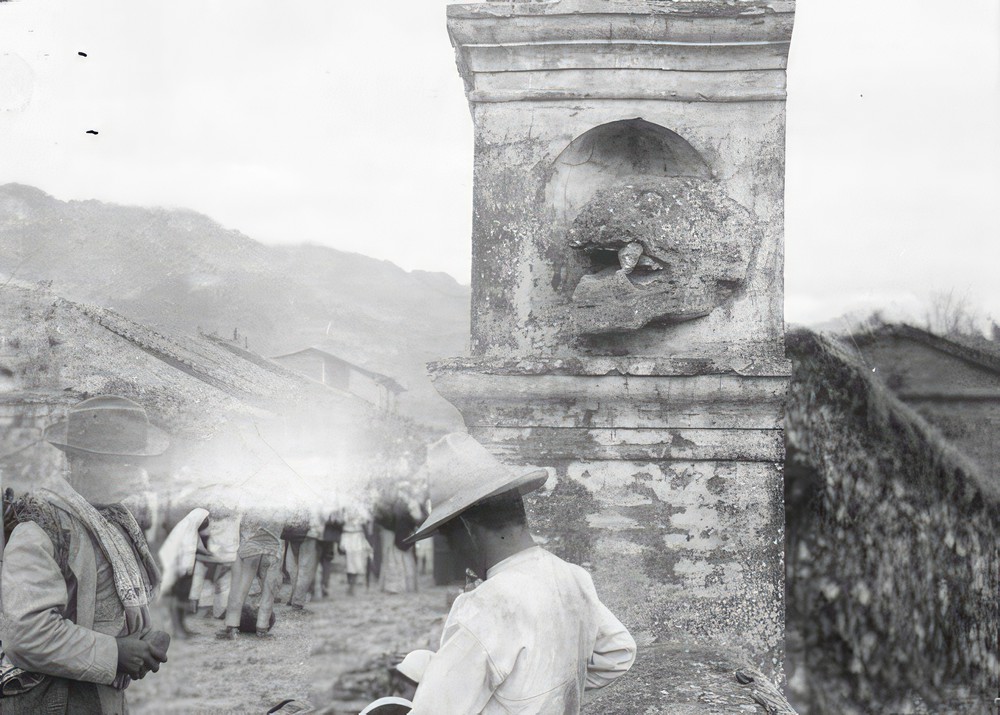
(688,680)
(666,483)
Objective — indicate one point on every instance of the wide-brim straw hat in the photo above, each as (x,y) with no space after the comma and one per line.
(461,473)
(108,425)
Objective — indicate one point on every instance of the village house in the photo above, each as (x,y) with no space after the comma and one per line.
(952,382)
(380,390)
(217,406)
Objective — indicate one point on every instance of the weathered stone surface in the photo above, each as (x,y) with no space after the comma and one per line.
(559,92)
(615,401)
(612,301)
(690,51)
(628,365)
(527,194)
(682,248)
(664,443)
(687,679)
(629,444)
(682,550)
(680,525)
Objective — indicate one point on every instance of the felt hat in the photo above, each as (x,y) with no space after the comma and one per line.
(108,425)
(461,473)
(414,664)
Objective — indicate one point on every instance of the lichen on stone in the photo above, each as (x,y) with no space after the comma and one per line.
(663,249)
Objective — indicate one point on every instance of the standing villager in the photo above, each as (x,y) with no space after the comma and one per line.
(305,557)
(259,556)
(184,548)
(356,548)
(333,530)
(398,569)
(224,542)
(78,575)
(534,635)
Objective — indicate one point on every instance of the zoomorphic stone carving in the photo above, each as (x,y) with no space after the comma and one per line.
(664,250)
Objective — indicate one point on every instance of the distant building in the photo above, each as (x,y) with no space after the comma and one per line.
(378,389)
(952,382)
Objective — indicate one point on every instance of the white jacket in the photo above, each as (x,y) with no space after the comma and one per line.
(529,640)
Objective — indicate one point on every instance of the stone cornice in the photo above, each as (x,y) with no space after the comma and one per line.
(634,366)
(690,8)
(618,50)
(612,401)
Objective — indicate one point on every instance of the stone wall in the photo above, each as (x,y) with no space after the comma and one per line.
(892,556)
(26,407)
(26,460)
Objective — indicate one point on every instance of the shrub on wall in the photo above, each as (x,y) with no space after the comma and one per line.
(892,570)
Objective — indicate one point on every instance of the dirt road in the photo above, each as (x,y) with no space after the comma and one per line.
(303,659)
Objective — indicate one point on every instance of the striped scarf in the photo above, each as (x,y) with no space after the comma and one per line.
(135,584)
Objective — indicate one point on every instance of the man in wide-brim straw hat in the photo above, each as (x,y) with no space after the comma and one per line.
(78,576)
(533,635)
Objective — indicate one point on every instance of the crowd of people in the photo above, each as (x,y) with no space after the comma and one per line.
(79,578)
(212,559)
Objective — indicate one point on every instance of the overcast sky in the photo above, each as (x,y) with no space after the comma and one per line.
(345,124)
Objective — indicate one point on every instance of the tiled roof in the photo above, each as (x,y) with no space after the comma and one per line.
(188,384)
(978,350)
(845,382)
(389,382)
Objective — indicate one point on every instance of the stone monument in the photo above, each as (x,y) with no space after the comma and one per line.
(627,327)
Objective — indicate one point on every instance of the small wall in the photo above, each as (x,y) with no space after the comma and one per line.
(892,550)
(26,459)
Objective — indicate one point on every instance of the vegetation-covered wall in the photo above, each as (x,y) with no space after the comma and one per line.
(892,554)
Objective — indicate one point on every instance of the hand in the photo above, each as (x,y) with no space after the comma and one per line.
(136,656)
(159,642)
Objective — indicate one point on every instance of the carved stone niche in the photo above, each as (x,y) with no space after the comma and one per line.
(659,239)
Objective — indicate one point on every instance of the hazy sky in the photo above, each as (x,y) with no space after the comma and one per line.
(346,124)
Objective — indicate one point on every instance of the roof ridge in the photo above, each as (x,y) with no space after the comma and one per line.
(952,345)
(948,454)
(375,374)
